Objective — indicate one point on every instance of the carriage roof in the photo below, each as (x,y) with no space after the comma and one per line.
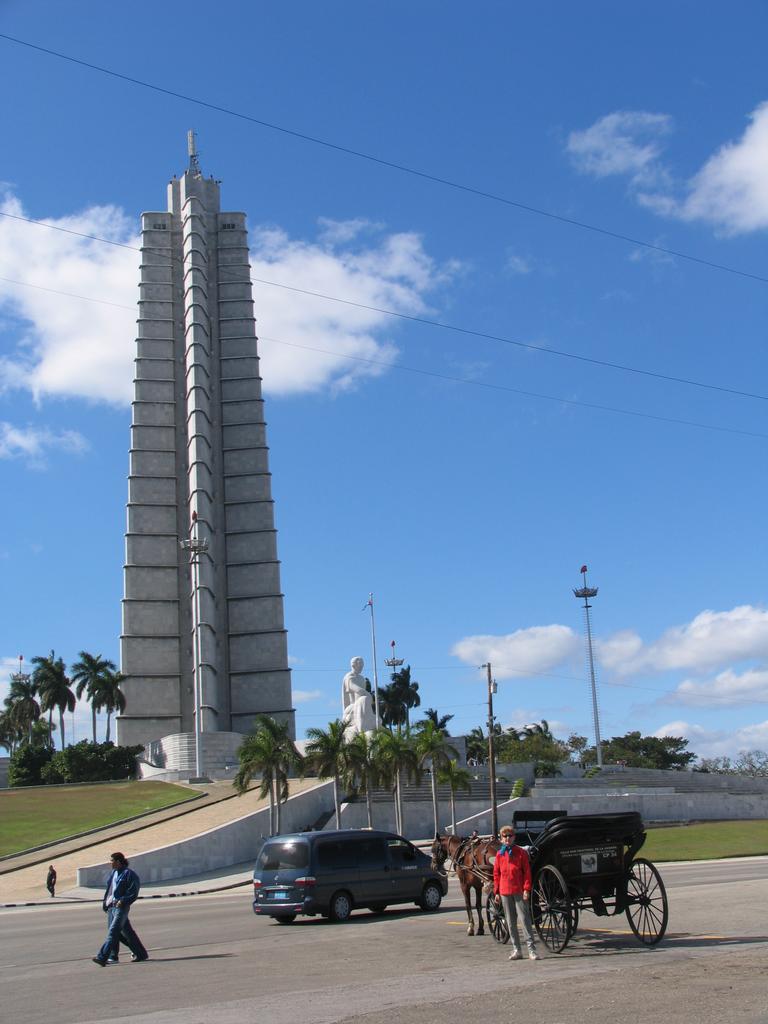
(590,829)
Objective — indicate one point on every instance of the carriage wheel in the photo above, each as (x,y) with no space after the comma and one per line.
(497,922)
(574,919)
(647,910)
(551,909)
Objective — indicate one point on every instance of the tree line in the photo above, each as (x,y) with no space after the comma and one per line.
(48,688)
(388,758)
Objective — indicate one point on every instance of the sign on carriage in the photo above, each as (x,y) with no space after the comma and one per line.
(590,860)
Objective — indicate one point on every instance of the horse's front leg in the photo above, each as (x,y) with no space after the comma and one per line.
(468,904)
(478,903)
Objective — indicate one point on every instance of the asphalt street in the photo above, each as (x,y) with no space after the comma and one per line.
(214,962)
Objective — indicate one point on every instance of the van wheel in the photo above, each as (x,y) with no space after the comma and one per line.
(431,896)
(377,908)
(285,918)
(341,907)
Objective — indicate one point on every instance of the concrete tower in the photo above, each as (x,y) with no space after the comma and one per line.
(199,454)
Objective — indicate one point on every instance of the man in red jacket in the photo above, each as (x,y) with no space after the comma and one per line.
(512,884)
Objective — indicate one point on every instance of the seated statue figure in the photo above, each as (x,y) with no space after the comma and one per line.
(356,700)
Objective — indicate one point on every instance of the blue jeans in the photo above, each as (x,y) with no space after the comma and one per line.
(119,929)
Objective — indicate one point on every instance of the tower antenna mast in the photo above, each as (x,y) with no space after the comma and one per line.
(194,162)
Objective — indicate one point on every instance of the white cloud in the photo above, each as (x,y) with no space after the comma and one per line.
(335,232)
(518,264)
(710,640)
(731,189)
(718,742)
(726,689)
(71,347)
(304,696)
(395,274)
(532,650)
(626,142)
(32,443)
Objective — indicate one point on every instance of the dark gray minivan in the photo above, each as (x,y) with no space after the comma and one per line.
(332,873)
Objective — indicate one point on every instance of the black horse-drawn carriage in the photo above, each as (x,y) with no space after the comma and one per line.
(586,862)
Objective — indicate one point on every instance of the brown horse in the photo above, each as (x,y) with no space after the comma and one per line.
(472,861)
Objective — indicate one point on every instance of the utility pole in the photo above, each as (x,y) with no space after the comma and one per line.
(492,751)
(586,592)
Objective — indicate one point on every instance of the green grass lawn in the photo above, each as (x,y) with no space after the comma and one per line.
(31,817)
(707,841)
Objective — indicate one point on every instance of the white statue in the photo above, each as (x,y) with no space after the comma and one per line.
(356,701)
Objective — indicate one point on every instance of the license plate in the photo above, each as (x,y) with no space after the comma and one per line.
(280,895)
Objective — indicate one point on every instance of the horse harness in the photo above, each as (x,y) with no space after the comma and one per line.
(468,846)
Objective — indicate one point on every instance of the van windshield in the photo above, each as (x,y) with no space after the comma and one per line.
(281,856)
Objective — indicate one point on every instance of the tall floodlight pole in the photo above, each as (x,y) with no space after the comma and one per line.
(23,678)
(369,604)
(196,547)
(394,662)
(586,592)
(492,751)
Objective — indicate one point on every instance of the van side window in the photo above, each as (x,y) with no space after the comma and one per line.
(336,855)
(401,852)
(371,854)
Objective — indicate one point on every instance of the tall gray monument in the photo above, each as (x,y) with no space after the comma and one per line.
(211,633)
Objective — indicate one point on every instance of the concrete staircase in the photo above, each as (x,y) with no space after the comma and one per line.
(613,779)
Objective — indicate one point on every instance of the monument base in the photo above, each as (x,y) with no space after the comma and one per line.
(176,753)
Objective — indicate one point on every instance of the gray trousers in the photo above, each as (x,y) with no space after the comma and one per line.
(514,907)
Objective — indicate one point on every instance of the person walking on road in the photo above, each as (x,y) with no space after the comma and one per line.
(122,889)
(512,885)
(50,881)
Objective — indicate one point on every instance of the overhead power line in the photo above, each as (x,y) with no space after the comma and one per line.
(526,394)
(391,164)
(410,318)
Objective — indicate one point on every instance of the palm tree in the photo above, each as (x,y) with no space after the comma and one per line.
(109,696)
(431,747)
(362,768)
(50,678)
(268,752)
(476,743)
(441,721)
(536,729)
(456,778)
(89,674)
(42,734)
(22,706)
(10,733)
(407,690)
(326,752)
(395,753)
(392,710)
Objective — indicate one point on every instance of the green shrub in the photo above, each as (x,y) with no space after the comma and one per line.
(91,762)
(27,764)
(518,789)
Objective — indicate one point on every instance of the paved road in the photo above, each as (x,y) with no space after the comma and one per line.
(213,962)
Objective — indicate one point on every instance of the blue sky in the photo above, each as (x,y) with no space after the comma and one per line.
(464,502)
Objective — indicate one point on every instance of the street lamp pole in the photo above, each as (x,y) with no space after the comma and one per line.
(196,546)
(586,592)
(393,662)
(492,750)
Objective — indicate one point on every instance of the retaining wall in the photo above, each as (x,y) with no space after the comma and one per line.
(234,843)
(653,807)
